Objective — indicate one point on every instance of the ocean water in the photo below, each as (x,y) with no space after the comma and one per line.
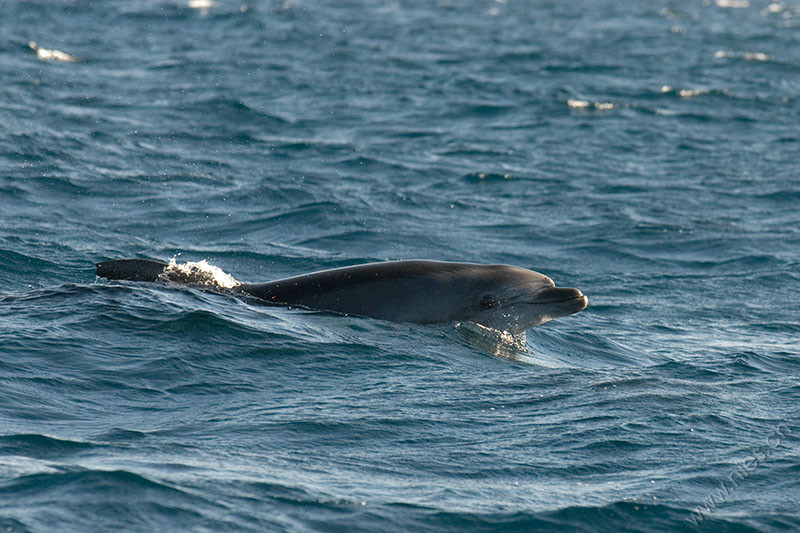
(645,152)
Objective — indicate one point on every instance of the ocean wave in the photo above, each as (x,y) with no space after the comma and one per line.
(117,498)
(41,446)
(616,516)
(645,155)
(235,111)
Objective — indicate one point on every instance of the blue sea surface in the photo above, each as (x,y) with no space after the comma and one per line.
(646,152)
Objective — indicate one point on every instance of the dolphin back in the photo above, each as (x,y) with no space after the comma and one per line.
(130,269)
(403,291)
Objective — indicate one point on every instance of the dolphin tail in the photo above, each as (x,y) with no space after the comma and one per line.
(130,269)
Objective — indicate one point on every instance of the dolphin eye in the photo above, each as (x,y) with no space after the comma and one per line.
(487,302)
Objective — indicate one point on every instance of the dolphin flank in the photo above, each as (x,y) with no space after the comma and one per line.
(502,297)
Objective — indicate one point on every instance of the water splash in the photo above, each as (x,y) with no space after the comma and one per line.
(198,273)
(493,341)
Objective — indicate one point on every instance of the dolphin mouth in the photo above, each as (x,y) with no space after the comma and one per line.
(561,295)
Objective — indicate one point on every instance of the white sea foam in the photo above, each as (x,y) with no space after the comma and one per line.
(686,93)
(201,5)
(585,104)
(200,273)
(46,54)
(733,4)
(747,56)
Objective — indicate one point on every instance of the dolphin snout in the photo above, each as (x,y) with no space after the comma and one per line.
(562,295)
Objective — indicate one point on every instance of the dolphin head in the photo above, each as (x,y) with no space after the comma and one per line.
(514,299)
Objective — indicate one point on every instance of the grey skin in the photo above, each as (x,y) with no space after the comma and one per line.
(502,297)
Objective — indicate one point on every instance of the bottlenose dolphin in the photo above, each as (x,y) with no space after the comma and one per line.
(502,297)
